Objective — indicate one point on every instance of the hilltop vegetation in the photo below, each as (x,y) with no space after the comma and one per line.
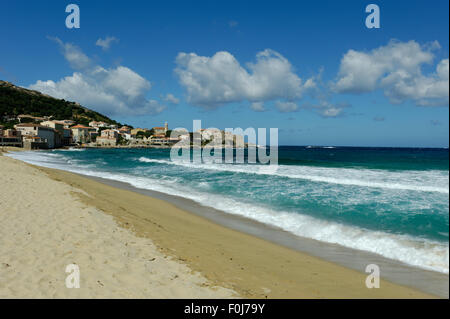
(15,100)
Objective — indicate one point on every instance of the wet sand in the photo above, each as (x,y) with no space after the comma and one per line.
(394,271)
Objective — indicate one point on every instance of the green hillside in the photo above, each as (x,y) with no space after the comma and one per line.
(16,100)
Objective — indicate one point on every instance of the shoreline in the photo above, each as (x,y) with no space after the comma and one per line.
(258,269)
(397,272)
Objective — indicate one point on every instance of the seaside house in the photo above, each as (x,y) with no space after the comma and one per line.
(93,133)
(65,135)
(48,134)
(173,140)
(108,138)
(125,130)
(161,130)
(10,137)
(163,140)
(97,124)
(33,142)
(102,125)
(80,134)
(65,131)
(55,125)
(110,134)
(159,139)
(58,126)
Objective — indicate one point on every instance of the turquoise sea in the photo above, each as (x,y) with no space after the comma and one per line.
(389,201)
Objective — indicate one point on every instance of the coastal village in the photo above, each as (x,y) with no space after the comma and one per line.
(45,133)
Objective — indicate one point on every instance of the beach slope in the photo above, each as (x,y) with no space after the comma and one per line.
(44,227)
(131,245)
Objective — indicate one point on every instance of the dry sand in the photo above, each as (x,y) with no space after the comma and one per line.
(50,218)
(44,227)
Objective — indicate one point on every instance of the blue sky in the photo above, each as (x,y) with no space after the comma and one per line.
(285,64)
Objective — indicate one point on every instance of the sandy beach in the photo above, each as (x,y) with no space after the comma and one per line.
(44,227)
(128,245)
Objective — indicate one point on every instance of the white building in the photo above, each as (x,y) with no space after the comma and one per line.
(108,138)
(80,134)
(102,125)
(48,134)
(10,137)
(97,124)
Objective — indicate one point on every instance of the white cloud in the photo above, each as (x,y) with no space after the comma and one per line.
(397,69)
(331,111)
(106,43)
(258,107)
(112,91)
(213,81)
(76,58)
(285,107)
(327,109)
(428,90)
(171,99)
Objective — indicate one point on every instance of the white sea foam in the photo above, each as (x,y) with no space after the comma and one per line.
(422,181)
(151,160)
(73,149)
(423,253)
